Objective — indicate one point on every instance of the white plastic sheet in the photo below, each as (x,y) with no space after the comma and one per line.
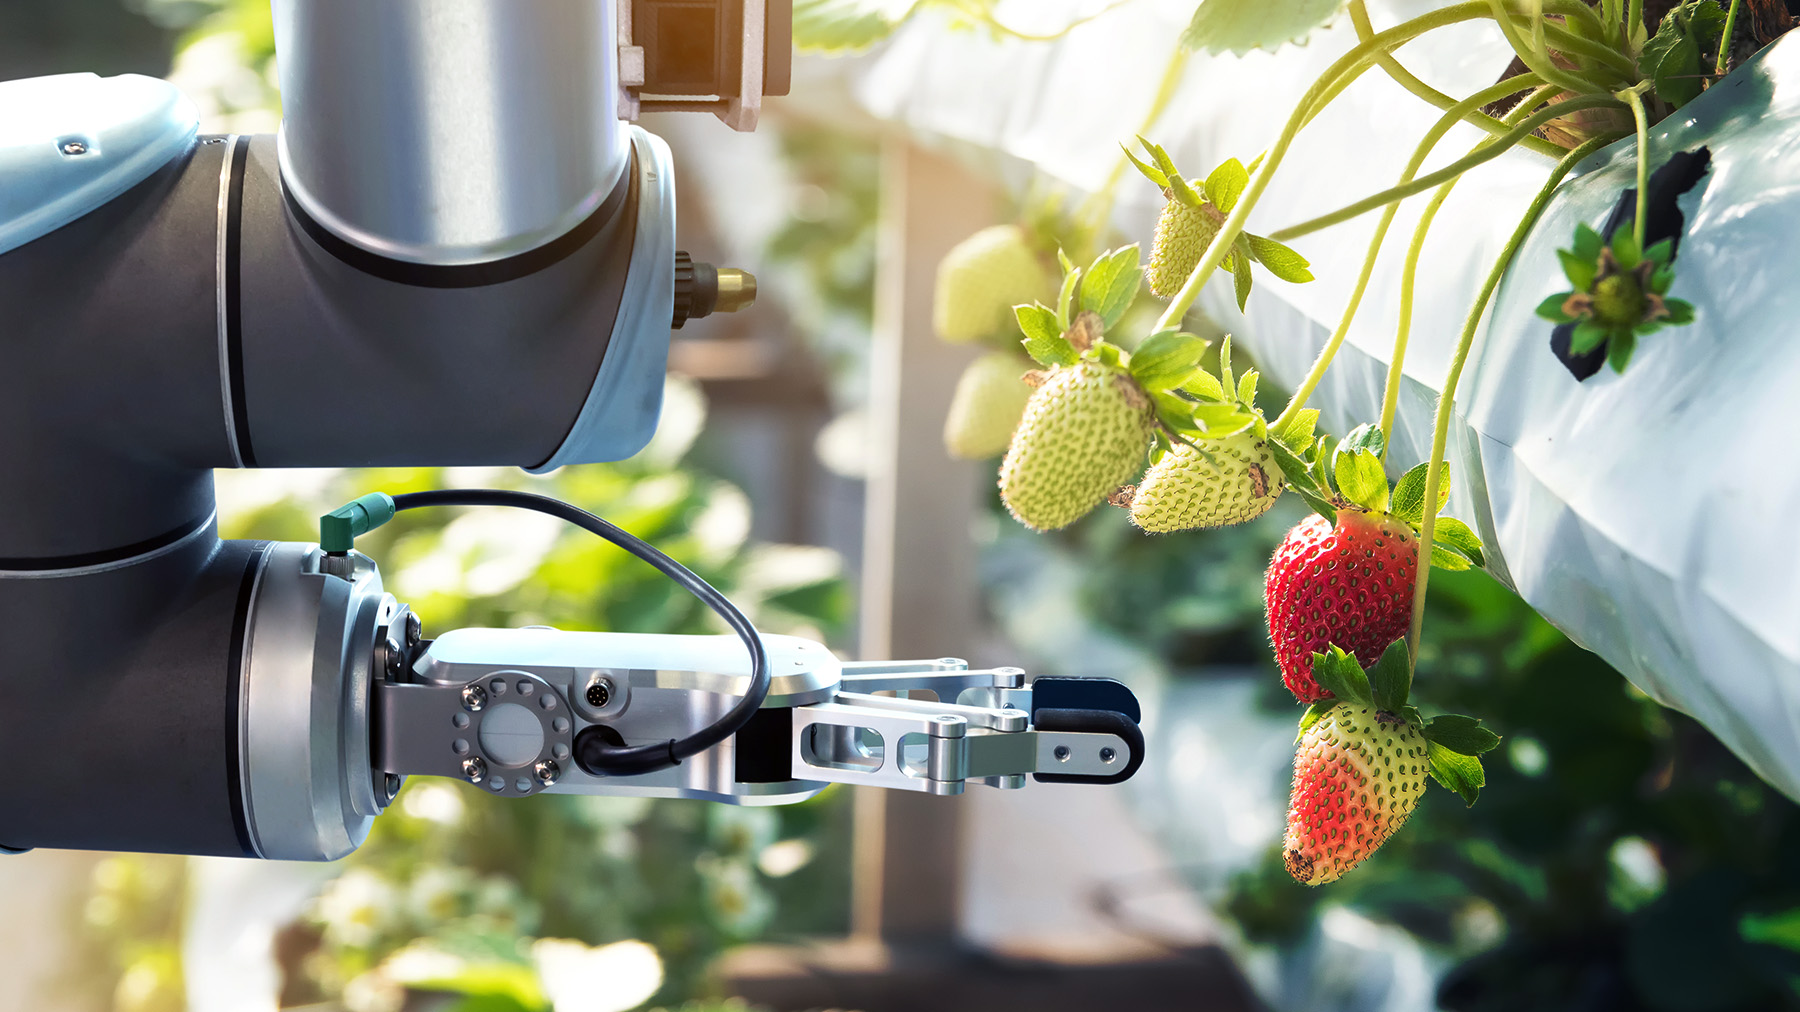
(1651,516)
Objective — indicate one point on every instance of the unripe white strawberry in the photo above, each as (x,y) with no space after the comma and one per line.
(1182,233)
(1084,433)
(1358,774)
(982,278)
(1215,483)
(990,399)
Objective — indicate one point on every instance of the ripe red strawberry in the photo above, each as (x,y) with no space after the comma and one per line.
(1348,584)
(1348,581)
(1358,774)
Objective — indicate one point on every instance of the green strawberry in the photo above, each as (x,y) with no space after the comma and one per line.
(1358,774)
(986,408)
(1194,211)
(1084,434)
(982,278)
(1183,232)
(1213,483)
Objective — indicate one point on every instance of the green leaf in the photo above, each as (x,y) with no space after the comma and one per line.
(1178,185)
(1579,272)
(1367,436)
(1588,335)
(1238,26)
(1409,495)
(1390,680)
(1661,251)
(1246,391)
(1225,377)
(1361,479)
(1680,312)
(1174,412)
(1281,261)
(1587,243)
(1221,420)
(1324,454)
(1313,715)
(1447,558)
(1240,277)
(1672,59)
(1552,308)
(1043,338)
(1065,299)
(1205,386)
(1296,433)
(1293,469)
(1455,771)
(1456,534)
(1338,673)
(1112,284)
(1460,734)
(1167,359)
(1151,172)
(1625,248)
(1320,505)
(1226,183)
(1037,320)
(1618,352)
(843,26)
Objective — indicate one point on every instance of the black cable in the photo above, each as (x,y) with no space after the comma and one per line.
(598,749)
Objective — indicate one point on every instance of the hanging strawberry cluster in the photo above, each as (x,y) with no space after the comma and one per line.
(1346,587)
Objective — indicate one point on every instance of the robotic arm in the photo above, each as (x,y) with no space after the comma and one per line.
(454,252)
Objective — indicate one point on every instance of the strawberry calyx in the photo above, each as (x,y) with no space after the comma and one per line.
(1215,196)
(1348,475)
(1620,293)
(1092,300)
(1455,742)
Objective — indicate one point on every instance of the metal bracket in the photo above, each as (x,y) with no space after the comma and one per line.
(501,708)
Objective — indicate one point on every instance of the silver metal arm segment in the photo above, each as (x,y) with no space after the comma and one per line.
(503,708)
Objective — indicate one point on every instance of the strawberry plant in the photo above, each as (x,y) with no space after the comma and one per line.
(1346,588)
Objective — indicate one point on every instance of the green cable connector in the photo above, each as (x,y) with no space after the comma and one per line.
(339,529)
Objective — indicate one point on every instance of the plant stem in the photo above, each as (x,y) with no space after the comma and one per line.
(1359,15)
(1565,41)
(1440,434)
(1540,65)
(983,13)
(1486,153)
(1093,213)
(1643,161)
(1724,61)
(1335,78)
(1390,395)
(1451,117)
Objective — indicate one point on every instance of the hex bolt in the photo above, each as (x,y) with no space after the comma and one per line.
(391,782)
(415,629)
(547,771)
(474,697)
(396,660)
(475,768)
(1108,755)
(599,693)
(73,147)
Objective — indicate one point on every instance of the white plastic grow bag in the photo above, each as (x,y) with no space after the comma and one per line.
(1651,516)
